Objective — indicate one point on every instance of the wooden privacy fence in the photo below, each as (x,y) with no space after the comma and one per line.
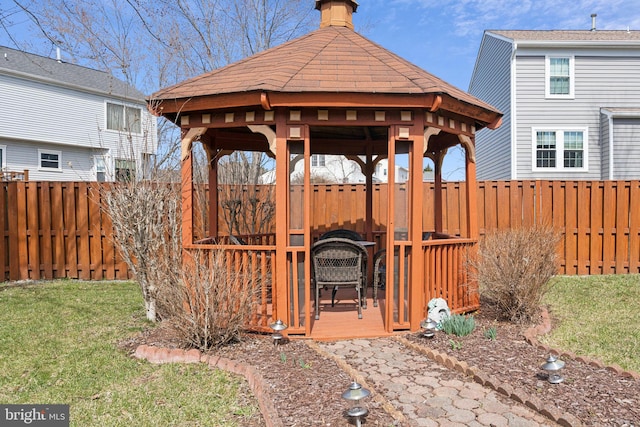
(58,230)
(599,220)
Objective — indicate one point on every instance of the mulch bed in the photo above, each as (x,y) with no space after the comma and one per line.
(596,395)
(306,387)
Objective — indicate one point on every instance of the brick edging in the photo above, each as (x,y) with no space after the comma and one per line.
(254,379)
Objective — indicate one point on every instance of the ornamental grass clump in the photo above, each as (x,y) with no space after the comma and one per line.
(514,268)
(458,325)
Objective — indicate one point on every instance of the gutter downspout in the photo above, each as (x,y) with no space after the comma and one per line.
(609,115)
(514,145)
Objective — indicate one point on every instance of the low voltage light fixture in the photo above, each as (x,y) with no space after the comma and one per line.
(552,366)
(429,328)
(354,394)
(278,326)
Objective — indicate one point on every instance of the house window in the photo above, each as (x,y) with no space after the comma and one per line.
(317,160)
(100,164)
(124,118)
(560,149)
(125,170)
(50,160)
(559,77)
(573,149)
(3,157)
(546,150)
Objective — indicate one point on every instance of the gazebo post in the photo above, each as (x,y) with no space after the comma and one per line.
(186,173)
(390,243)
(368,172)
(281,282)
(213,193)
(472,204)
(416,293)
(472,198)
(187,196)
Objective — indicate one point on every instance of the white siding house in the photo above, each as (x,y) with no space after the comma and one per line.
(571,104)
(340,170)
(64,122)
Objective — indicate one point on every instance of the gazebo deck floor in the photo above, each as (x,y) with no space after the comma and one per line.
(341,321)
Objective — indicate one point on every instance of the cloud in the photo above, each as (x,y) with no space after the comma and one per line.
(469,18)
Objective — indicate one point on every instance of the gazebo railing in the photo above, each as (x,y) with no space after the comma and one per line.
(446,273)
(257,261)
(445,276)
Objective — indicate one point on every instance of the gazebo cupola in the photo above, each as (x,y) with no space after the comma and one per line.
(334,93)
(336,12)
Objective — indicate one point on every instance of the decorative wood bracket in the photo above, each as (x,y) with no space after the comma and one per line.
(428,133)
(269,133)
(469,147)
(187,141)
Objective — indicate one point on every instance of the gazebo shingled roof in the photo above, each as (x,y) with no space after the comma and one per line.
(328,60)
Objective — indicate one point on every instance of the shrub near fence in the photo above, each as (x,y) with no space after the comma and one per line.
(57,229)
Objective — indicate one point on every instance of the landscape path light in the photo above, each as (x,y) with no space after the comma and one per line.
(552,366)
(278,326)
(429,327)
(354,394)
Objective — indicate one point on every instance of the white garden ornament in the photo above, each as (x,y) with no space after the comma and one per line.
(438,310)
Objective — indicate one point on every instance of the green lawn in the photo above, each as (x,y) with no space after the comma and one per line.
(58,344)
(598,317)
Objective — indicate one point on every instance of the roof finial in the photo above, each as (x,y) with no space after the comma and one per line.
(336,13)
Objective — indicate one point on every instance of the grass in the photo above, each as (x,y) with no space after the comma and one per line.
(58,344)
(598,317)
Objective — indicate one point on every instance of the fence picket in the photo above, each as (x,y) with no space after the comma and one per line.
(4,237)
(46,250)
(32,229)
(634,227)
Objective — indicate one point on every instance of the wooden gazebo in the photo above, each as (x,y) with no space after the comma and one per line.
(333,91)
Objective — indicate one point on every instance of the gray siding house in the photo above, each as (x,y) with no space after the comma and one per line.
(64,122)
(571,104)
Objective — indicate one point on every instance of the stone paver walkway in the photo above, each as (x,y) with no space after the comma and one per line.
(425,393)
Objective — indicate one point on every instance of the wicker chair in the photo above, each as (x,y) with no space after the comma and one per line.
(339,262)
(379,273)
(341,233)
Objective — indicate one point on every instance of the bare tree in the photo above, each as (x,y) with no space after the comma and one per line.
(341,168)
(248,205)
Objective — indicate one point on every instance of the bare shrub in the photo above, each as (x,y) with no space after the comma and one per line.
(214,297)
(514,268)
(146,230)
